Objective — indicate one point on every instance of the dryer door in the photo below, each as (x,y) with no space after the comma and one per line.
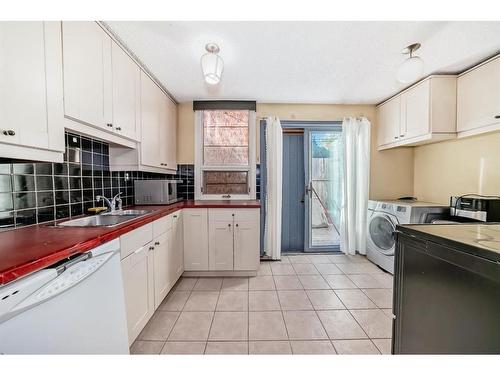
(381,233)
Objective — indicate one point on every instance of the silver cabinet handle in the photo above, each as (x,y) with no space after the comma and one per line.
(9,132)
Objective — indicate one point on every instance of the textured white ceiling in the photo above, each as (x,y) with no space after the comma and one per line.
(302,62)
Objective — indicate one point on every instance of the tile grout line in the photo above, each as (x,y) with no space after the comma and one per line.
(282,315)
(180,312)
(213,317)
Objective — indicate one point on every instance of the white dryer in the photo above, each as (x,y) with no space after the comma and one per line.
(383,216)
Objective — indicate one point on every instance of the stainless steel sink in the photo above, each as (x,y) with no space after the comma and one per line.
(108,220)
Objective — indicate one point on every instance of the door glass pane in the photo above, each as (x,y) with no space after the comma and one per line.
(325,184)
(225,138)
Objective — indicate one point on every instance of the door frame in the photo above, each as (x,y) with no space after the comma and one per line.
(308,127)
(319,125)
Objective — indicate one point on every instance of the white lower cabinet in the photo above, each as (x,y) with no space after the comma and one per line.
(151,265)
(138,285)
(155,255)
(161,250)
(195,239)
(220,244)
(233,239)
(177,242)
(247,241)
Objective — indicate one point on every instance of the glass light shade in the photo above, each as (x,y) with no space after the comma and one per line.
(212,65)
(410,70)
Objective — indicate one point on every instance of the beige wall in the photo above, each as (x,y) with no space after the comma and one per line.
(391,170)
(469,165)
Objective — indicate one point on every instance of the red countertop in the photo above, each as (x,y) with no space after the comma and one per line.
(32,248)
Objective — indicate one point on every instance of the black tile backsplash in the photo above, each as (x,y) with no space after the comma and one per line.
(32,193)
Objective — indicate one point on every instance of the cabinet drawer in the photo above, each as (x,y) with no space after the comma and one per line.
(162,225)
(134,240)
(220,214)
(241,214)
(247,214)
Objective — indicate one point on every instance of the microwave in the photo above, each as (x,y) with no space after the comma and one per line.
(156,191)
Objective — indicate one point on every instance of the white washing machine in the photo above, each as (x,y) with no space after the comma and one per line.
(383,216)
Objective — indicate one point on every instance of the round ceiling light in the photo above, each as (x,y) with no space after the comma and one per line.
(212,64)
(413,67)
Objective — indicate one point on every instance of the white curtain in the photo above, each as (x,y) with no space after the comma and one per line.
(356,139)
(274,168)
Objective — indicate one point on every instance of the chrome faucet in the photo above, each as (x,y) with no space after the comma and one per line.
(112,203)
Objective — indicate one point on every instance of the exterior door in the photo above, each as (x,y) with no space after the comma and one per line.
(292,220)
(324,181)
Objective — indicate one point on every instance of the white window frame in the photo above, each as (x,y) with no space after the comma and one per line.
(199,167)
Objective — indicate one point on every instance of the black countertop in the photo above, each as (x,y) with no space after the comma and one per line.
(479,239)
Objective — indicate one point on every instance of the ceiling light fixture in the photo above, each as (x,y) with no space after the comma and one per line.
(212,64)
(413,67)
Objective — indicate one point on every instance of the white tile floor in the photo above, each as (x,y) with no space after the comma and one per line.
(304,304)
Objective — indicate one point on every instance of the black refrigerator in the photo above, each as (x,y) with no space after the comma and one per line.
(447,289)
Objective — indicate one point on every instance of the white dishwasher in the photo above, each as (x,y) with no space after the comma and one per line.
(76,307)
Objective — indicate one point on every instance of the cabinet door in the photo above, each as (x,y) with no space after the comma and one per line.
(23,95)
(164,129)
(177,247)
(126,93)
(389,118)
(478,97)
(220,246)
(162,275)
(415,111)
(138,285)
(195,239)
(246,240)
(150,122)
(87,73)
(171,144)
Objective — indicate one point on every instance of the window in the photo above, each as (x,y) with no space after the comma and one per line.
(225,154)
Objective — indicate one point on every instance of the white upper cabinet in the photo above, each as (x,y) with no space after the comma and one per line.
(415,106)
(126,93)
(478,99)
(31,91)
(389,119)
(87,73)
(101,83)
(152,108)
(171,135)
(424,113)
(158,128)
